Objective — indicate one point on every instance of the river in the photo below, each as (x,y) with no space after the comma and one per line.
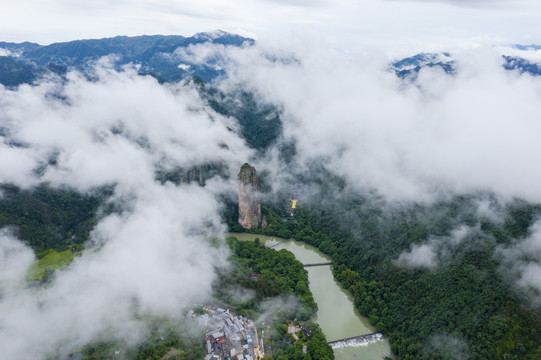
(336,315)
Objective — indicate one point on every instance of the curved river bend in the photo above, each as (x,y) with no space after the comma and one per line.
(336,315)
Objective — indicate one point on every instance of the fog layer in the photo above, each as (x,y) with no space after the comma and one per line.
(158,252)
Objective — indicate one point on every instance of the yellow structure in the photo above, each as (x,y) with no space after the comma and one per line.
(293,203)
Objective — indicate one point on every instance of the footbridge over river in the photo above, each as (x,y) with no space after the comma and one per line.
(360,340)
(318,264)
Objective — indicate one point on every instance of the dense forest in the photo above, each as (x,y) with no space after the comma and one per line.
(462,307)
(278,273)
(50,218)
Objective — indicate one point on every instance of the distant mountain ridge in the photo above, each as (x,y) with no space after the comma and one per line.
(154,54)
(527,47)
(18,48)
(522,65)
(408,68)
(159,56)
(165,57)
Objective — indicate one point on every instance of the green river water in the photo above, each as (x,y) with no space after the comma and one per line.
(336,315)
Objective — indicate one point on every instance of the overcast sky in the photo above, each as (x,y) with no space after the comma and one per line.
(343,24)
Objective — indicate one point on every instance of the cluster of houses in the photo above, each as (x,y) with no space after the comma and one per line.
(231,336)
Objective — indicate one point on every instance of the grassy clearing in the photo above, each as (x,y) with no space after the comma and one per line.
(51,261)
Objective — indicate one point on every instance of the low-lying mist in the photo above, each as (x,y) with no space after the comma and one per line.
(405,143)
(158,251)
(474,130)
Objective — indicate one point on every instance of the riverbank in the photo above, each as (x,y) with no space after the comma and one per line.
(336,315)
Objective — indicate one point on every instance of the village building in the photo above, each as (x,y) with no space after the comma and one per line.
(231,336)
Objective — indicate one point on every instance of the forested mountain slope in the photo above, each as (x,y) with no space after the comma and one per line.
(438,278)
(166,57)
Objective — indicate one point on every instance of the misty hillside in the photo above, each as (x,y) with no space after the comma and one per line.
(167,58)
(13,72)
(432,277)
(120,184)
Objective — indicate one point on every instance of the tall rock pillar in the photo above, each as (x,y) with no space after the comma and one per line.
(249,205)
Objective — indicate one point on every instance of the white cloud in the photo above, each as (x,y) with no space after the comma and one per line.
(159,252)
(469,132)
(114,130)
(15,258)
(419,256)
(522,262)
(201,54)
(19,161)
(531,276)
(158,256)
(469,3)
(491,209)
(454,347)
(436,250)
(5,52)
(344,24)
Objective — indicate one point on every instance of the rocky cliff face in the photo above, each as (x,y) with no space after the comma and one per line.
(249,205)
